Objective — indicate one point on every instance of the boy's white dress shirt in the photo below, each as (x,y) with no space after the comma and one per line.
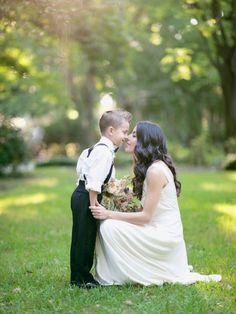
(97,166)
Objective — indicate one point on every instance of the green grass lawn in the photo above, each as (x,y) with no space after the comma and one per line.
(35,228)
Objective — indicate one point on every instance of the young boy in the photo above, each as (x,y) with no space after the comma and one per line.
(94,168)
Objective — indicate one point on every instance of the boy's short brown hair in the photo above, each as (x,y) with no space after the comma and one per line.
(113,118)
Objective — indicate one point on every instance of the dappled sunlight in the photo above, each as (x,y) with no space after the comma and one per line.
(227,221)
(232,176)
(51,182)
(217,187)
(24,200)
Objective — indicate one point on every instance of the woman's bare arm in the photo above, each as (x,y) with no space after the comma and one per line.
(156,180)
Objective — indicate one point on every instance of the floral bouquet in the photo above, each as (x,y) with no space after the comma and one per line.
(118,196)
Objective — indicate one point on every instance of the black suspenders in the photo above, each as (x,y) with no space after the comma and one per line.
(110,171)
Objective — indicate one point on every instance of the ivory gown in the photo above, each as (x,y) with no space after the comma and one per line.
(147,254)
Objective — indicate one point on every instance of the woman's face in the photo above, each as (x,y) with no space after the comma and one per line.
(131,142)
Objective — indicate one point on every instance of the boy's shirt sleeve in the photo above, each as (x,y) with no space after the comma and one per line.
(81,161)
(99,165)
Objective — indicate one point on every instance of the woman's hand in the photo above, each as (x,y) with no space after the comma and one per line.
(99,212)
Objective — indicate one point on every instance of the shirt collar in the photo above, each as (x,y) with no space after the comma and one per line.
(108,142)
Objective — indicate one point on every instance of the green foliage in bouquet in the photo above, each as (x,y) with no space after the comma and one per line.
(118,196)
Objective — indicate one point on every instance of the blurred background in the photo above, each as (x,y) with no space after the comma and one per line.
(64,62)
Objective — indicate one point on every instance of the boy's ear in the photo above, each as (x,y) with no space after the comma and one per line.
(110,130)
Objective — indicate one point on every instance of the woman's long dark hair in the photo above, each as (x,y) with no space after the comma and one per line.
(151,146)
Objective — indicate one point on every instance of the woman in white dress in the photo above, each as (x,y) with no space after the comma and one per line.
(146,247)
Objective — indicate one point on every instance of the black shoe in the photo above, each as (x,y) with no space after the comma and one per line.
(92,285)
(94,282)
(88,285)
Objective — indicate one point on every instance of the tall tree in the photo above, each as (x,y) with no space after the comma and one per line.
(216,22)
(30,82)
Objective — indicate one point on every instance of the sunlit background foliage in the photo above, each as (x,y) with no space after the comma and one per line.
(63,63)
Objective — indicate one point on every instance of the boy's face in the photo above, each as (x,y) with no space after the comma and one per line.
(119,135)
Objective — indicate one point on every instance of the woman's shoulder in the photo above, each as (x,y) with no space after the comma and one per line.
(156,170)
(157,165)
(160,168)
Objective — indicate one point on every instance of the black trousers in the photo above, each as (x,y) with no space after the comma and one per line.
(84,230)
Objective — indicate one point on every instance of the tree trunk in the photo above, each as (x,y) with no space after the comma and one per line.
(83,97)
(228,81)
(88,122)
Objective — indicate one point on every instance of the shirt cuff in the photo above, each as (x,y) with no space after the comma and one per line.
(94,186)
